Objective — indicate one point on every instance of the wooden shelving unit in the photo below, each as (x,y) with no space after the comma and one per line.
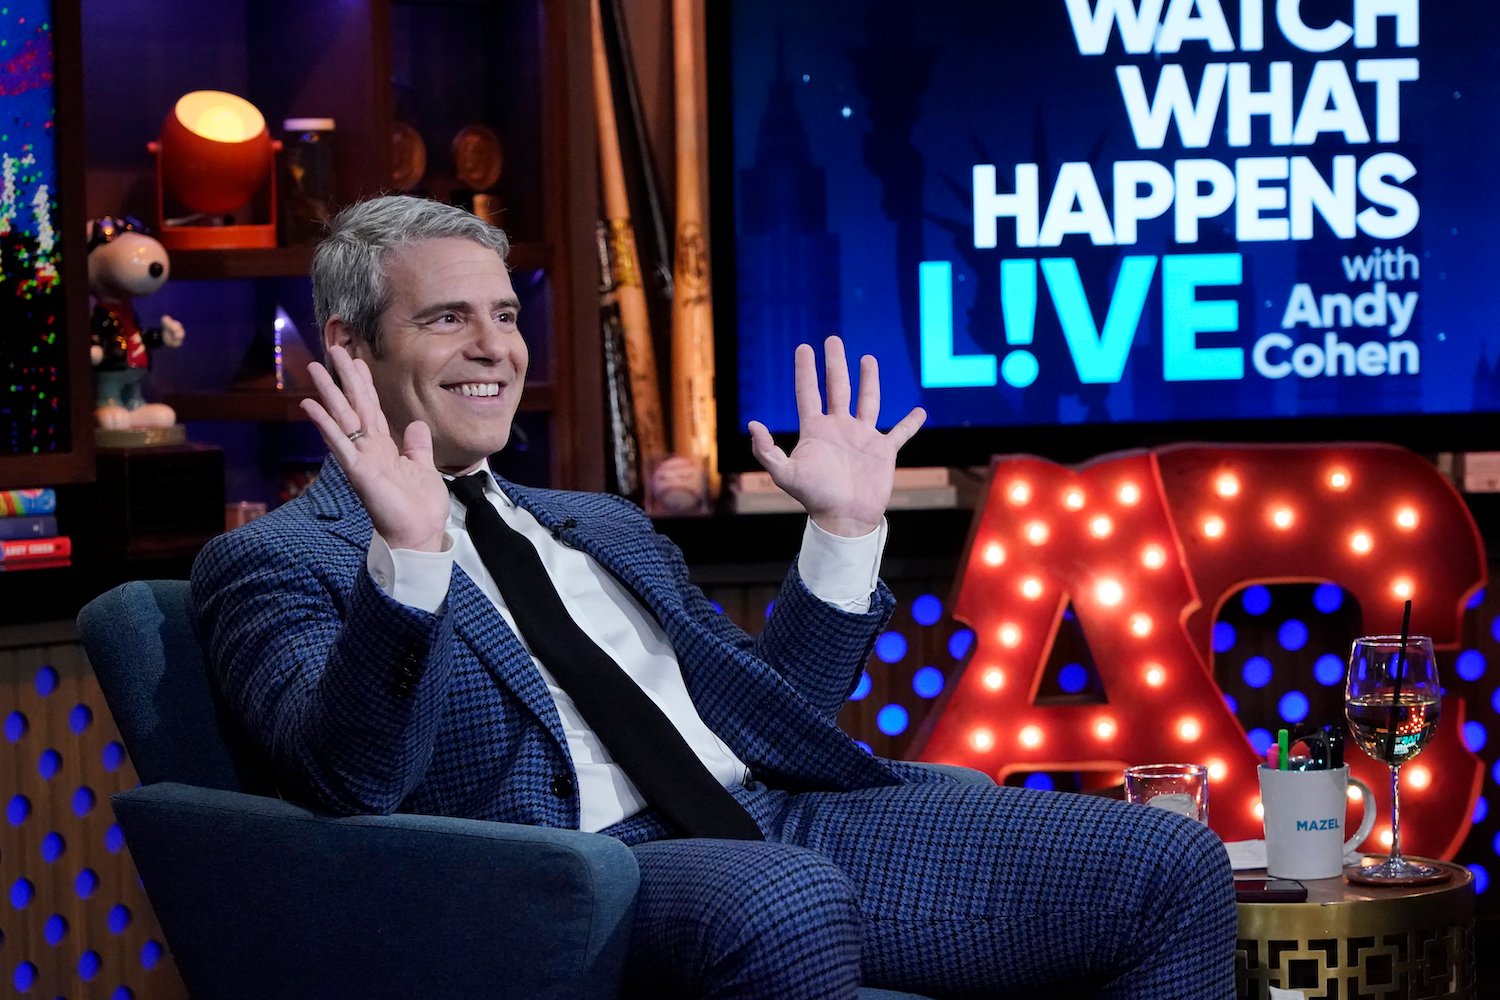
(520,67)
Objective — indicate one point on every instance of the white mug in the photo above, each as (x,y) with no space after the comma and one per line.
(1303,812)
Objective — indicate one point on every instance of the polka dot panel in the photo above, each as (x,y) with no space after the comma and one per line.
(74,920)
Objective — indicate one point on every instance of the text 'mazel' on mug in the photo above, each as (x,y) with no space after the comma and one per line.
(1304,817)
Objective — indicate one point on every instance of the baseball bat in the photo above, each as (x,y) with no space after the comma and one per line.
(694,418)
(625,463)
(653,240)
(640,352)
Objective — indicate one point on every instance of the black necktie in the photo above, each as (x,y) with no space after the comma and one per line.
(638,735)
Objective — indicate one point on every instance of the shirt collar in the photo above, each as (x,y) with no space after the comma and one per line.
(491,483)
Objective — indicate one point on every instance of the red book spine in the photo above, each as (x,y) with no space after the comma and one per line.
(21,549)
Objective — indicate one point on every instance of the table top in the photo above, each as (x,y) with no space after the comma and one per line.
(1331,891)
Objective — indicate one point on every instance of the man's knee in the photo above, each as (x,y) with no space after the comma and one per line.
(751,920)
(785,902)
(1194,868)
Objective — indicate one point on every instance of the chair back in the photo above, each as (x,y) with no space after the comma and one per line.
(140,639)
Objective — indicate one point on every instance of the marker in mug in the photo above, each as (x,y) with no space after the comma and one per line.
(1283,747)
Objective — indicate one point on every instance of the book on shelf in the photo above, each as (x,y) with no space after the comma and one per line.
(902,498)
(27,526)
(19,503)
(27,565)
(20,550)
(906,479)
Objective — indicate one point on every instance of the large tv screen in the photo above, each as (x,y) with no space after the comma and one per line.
(1070,226)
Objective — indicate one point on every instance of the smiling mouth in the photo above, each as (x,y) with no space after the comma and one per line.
(474,389)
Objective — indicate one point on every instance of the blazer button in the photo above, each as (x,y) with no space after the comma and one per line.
(562,786)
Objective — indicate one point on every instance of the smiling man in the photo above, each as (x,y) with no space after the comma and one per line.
(415,634)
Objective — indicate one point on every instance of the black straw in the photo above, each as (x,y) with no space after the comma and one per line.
(1390,746)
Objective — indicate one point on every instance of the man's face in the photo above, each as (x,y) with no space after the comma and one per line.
(452,354)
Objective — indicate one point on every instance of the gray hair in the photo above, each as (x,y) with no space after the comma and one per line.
(348,269)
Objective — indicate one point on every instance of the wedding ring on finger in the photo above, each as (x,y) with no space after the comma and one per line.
(356,434)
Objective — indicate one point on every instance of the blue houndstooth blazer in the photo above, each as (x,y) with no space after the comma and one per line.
(362,704)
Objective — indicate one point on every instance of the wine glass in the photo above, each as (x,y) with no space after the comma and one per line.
(1392,702)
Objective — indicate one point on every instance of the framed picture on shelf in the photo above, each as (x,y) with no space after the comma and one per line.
(46,425)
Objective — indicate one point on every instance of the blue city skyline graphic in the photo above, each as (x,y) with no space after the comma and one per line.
(858,130)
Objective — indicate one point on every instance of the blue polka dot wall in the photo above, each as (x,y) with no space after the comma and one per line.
(74,919)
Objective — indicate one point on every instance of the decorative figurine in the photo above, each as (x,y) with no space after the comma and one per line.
(124,262)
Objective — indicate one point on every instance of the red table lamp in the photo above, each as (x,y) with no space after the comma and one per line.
(213,158)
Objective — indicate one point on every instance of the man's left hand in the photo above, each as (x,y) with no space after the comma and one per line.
(842,469)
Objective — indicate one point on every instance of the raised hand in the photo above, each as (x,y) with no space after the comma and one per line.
(399,485)
(842,469)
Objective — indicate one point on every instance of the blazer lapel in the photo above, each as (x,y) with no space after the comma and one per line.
(492,644)
(482,628)
(585,522)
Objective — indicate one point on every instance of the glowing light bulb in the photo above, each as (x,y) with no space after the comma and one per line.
(1227,484)
(1130,494)
(1073,499)
(1153,557)
(1031,588)
(1140,624)
(1105,729)
(1406,518)
(1009,635)
(1189,730)
(1217,769)
(1353,794)
(1101,526)
(1418,776)
(1385,838)
(1036,532)
(1019,493)
(222,124)
(982,740)
(994,678)
(1402,588)
(1109,592)
(994,554)
(1155,675)
(1282,517)
(1213,526)
(1361,543)
(1031,737)
(1338,479)
(1257,810)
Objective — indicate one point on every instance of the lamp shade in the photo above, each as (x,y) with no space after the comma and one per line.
(215,151)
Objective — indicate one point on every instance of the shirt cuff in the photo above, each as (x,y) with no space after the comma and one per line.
(842,571)
(417,579)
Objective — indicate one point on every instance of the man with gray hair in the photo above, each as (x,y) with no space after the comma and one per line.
(416,634)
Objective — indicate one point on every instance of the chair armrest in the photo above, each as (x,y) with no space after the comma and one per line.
(259,897)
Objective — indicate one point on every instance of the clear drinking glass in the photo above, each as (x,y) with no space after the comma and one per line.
(1178,788)
(1393,702)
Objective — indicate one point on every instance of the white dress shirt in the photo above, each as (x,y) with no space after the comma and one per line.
(841,571)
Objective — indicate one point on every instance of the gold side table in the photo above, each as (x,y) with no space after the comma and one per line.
(1353,942)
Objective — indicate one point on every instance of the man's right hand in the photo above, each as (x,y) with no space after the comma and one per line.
(399,485)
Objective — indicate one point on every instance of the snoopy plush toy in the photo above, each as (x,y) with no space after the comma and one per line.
(125,263)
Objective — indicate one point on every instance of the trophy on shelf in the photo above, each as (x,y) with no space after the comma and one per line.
(477,159)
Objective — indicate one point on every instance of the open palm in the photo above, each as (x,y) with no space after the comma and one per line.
(842,468)
(398,484)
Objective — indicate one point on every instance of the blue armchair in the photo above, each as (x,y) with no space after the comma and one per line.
(259,897)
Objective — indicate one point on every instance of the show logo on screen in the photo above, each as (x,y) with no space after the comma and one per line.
(1150,213)
(1271,198)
